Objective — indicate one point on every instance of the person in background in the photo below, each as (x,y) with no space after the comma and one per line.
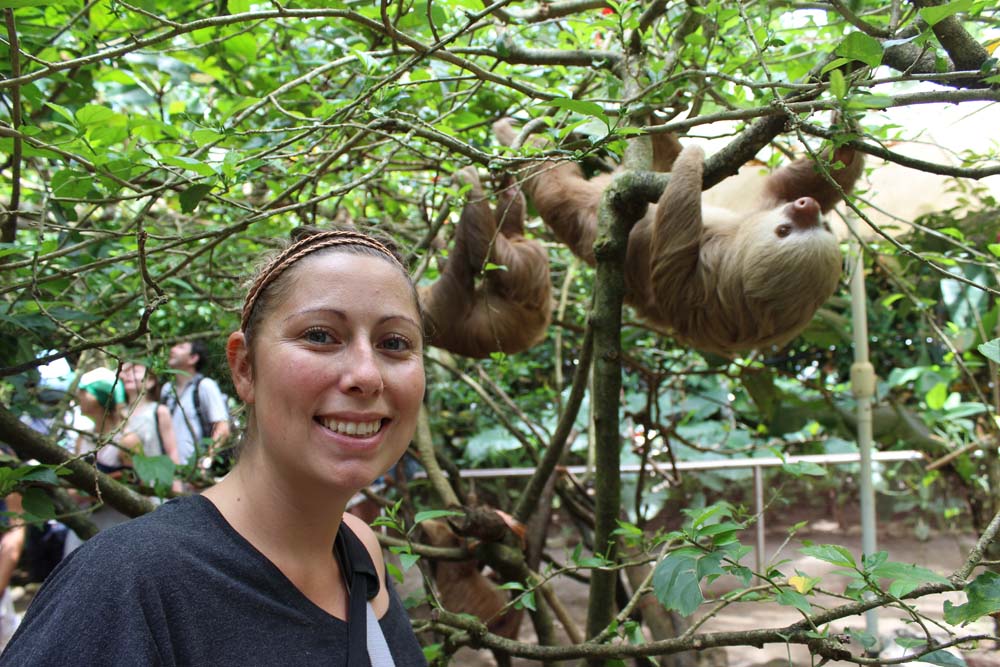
(101,398)
(196,403)
(11,546)
(265,567)
(149,420)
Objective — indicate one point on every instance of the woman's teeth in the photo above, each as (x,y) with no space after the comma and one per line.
(358,429)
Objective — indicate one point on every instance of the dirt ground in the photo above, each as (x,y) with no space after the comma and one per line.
(942,552)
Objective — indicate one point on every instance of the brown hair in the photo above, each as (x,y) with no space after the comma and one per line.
(306,241)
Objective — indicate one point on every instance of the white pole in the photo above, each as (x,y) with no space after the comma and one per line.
(863,387)
(758,494)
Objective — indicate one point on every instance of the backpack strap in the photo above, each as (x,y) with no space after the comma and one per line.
(362,581)
(156,422)
(206,425)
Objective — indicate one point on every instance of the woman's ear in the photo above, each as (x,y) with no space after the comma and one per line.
(239,366)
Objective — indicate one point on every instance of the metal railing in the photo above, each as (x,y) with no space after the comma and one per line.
(757,464)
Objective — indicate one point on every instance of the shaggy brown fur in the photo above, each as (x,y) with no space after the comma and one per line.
(509,310)
(723,279)
(463,589)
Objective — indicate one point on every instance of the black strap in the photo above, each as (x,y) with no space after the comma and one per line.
(156,420)
(206,425)
(363,585)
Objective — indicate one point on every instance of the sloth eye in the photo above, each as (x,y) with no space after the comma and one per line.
(826,226)
(783,230)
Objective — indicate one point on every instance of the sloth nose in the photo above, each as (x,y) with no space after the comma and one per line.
(804,212)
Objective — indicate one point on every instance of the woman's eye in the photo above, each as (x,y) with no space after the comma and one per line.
(318,336)
(396,344)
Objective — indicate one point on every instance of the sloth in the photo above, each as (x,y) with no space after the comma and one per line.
(510,308)
(723,279)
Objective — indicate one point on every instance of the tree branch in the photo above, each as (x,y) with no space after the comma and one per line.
(965,52)
(29,444)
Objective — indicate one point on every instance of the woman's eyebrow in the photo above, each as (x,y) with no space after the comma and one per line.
(339,314)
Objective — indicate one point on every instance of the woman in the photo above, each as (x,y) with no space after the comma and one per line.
(149,420)
(100,397)
(265,567)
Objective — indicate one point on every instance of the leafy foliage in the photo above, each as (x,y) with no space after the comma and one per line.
(153,153)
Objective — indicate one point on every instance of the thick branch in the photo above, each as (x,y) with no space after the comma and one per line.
(515,54)
(965,52)
(31,445)
(8,231)
(618,213)
(905,160)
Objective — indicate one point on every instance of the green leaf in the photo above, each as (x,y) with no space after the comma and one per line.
(869,102)
(38,503)
(943,658)
(43,474)
(991,350)
(937,396)
(934,15)
(834,64)
(71,184)
(190,164)
(983,595)
(434,514)
(62,111)
(95,115)
(831,553)
(800,468)
(789,598)
(675,581)
(862,47)
(157,471)
(628,531)
(994,247)
(906,577)
(408,560)
(203,136)
(581,107)
(838,84)
(15,4)
(192,196)
(715,512)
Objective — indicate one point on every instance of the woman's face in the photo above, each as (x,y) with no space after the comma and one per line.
(133,376)
(336,377)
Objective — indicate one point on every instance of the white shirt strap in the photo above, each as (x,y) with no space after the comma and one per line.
(378,650)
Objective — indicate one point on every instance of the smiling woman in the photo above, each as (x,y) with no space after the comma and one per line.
(265,567)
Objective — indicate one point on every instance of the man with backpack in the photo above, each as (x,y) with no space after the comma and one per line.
(197,405)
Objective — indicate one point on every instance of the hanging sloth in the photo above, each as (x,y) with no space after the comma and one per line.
(723,279)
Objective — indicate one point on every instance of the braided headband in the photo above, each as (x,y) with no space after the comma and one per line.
(300,249)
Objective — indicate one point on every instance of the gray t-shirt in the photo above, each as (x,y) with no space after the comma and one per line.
(180,586)
(187,425)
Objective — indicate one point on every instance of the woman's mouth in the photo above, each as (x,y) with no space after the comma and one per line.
(362,429)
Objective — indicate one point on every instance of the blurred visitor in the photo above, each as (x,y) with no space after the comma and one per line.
(148,419)
(11,546)
(101,398)
(197,405)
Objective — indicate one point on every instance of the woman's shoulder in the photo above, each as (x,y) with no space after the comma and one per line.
(170,525)
(368,539)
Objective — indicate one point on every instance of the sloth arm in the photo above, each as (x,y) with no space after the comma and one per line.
(675,275)
(801,178)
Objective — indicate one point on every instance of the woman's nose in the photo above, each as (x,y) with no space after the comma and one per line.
(362,374)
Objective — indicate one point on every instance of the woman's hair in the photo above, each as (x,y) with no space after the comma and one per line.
(268,281)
